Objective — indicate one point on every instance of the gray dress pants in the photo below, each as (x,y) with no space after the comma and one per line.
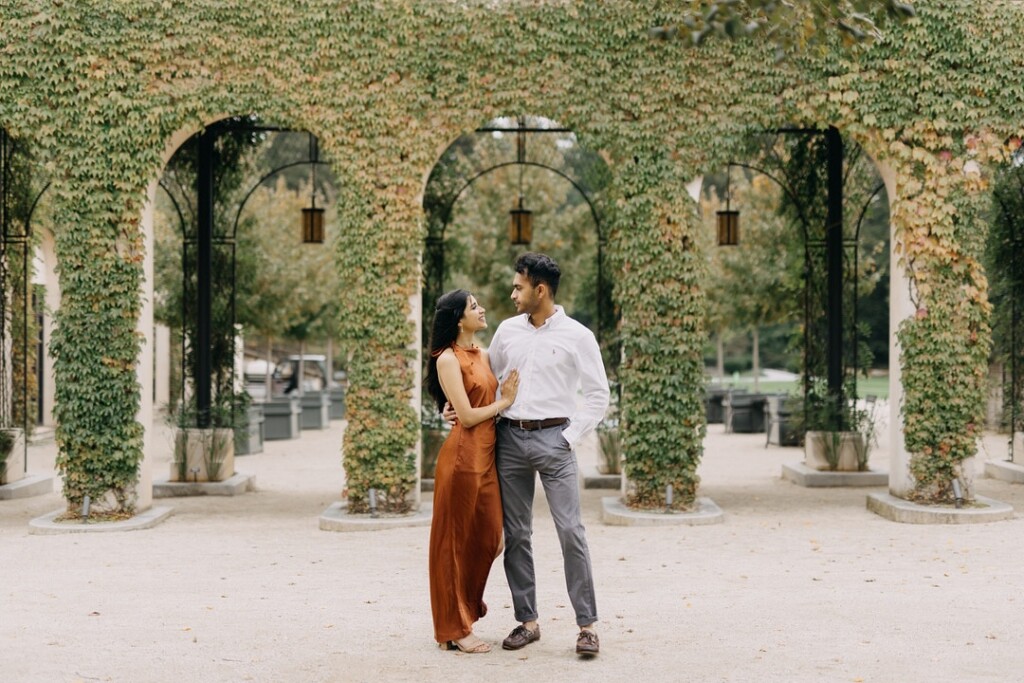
(520,454)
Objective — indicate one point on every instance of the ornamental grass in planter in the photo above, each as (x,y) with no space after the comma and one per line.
(206,454)
(846,449)
(609,445)
(7,439)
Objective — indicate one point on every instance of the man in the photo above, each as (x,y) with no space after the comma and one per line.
(555,355)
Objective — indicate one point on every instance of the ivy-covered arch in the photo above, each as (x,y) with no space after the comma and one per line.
(385,85)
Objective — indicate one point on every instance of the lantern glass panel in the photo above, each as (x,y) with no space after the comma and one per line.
(313,225)
(728,228)
(520,226)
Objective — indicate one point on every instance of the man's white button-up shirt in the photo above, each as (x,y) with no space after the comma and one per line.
(554,361)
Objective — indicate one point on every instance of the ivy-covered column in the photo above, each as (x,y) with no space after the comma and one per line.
(378,250)
(96,342)
(944,345)
(654,251)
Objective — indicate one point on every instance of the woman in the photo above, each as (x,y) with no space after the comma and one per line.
(465,534)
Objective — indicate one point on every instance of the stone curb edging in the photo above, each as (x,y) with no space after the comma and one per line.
(1005,470)
(615,513)
(236,484)
(143,520)
(27,487)
(896,509)
(593,479)
(802,475)
(336,518)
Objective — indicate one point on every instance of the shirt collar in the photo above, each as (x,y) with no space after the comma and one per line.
(553,321)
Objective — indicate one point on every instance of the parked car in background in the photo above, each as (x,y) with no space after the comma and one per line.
(285,376)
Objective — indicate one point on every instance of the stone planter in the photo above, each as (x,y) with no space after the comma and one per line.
(13,467)
(281,418)
(337,410)
(203,455)
(781,425)
(249,439)
(316,410)
(816,445)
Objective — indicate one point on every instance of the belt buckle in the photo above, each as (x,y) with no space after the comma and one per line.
(522,424)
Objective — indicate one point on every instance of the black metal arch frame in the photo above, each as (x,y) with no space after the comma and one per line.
(20,241)
(434,244)
(1015,386)
(206,238)
(835,246)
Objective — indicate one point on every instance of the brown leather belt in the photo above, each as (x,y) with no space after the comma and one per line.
(532,425)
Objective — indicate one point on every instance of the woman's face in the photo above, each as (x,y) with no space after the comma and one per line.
(473,318)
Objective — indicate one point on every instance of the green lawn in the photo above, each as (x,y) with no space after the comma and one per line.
(874,386)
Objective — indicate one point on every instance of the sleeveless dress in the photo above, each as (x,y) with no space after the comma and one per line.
(465,532)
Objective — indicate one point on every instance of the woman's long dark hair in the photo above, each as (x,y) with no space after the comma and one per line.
(448,312)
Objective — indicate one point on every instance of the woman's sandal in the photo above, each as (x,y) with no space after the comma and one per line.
(479,648)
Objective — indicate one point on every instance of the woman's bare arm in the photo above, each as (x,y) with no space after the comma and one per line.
(450,375)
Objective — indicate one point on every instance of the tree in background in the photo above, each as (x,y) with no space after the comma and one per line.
(756,284)
(761,283)
(291,289)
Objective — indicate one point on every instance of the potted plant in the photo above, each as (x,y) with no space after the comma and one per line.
(12,455)
(247,425)
(203,454)
(6,447)
(838,435)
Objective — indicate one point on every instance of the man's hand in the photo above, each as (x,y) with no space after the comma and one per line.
(449,414)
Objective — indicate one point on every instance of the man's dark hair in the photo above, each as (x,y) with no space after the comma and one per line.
(538,268)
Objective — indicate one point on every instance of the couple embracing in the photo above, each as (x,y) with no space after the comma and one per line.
(486,470)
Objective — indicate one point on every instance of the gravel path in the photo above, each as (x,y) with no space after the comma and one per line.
(796,585)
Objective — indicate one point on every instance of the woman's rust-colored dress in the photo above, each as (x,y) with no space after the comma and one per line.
(465,532)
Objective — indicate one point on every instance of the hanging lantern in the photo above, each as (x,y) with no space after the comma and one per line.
(520,219)
(313,215)
(728,228)
(520,224)
(728,220)
(312,224)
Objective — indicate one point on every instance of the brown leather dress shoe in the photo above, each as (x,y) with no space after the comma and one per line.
(587,644)
(520,637)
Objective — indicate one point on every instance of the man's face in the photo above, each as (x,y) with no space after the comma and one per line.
(523,294)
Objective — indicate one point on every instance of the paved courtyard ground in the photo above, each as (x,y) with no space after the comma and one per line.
(796,585)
